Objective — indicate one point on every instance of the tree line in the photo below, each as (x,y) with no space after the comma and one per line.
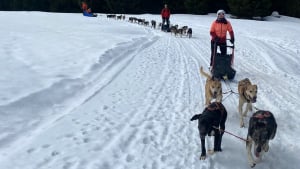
(239,8)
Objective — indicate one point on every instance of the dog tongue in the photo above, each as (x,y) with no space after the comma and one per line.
(257,154)
(257,151)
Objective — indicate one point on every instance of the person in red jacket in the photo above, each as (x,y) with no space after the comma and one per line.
(86,10)
(218,32)
(84,6)
(165,14)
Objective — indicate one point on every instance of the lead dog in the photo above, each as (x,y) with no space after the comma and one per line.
(189,32)
(248,95)
(212,117)
(262,128)
(213,88)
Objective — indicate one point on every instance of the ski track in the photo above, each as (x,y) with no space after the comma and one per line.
(132,126)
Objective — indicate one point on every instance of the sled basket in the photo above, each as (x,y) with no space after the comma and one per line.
(222,65)
(165,27)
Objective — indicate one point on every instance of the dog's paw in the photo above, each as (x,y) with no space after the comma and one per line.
(252,165)
(218,149)
(202,157)
(242,125)
(210,152)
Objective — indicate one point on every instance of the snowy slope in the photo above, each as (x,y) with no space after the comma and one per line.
(98,93)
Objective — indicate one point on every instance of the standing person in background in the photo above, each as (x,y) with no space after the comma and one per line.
(165,14)
(218,33)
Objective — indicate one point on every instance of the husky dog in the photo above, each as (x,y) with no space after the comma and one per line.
(213,88)
(262,128)
(248,95)
(153,24)
(189,32)
(212,117)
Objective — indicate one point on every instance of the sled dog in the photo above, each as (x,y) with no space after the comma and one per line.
(247,94)
(212,117)
(189,32)
(262,128)
(213,88)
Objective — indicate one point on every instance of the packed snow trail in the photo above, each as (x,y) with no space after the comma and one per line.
(132,124)
(132,109)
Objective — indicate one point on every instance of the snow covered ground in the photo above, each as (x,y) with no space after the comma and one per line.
(98,93)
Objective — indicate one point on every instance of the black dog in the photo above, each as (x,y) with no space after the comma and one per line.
(262,128)
(189,32)
(213,117)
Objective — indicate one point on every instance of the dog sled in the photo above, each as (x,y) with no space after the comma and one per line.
(86,13)
(222,64)
(165,26)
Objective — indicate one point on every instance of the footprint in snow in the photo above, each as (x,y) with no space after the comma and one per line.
(129,158)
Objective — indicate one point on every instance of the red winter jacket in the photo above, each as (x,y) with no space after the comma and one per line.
(165,13)
(84,6)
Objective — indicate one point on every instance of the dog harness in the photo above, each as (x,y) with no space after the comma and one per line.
(217,106)
(262,118)
(264,114)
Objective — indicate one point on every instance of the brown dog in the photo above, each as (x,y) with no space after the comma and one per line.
(213,88)
(248,95)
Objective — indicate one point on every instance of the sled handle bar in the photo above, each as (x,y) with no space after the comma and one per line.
(229,46)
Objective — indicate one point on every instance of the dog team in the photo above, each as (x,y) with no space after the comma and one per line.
(262,124)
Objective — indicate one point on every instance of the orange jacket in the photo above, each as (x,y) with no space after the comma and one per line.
(220,29)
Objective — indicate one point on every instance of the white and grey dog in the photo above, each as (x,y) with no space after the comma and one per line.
(262,128)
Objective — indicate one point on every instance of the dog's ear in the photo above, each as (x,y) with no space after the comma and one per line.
(255,86)
(196,117)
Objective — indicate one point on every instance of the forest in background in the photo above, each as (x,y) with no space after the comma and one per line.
(239,8)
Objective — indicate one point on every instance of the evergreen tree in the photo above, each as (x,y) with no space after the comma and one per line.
(261,7)
(250,8)
(215,5)
(240,8)
(197,6)
(293,8)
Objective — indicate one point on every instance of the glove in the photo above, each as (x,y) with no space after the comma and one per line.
(232,40)
(216,39)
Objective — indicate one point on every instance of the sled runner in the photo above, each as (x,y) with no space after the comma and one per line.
(222,64)
(85,13)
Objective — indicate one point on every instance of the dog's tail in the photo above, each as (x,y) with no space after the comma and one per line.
(195,117)
(204,73)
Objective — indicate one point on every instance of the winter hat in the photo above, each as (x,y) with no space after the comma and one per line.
(220,11)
